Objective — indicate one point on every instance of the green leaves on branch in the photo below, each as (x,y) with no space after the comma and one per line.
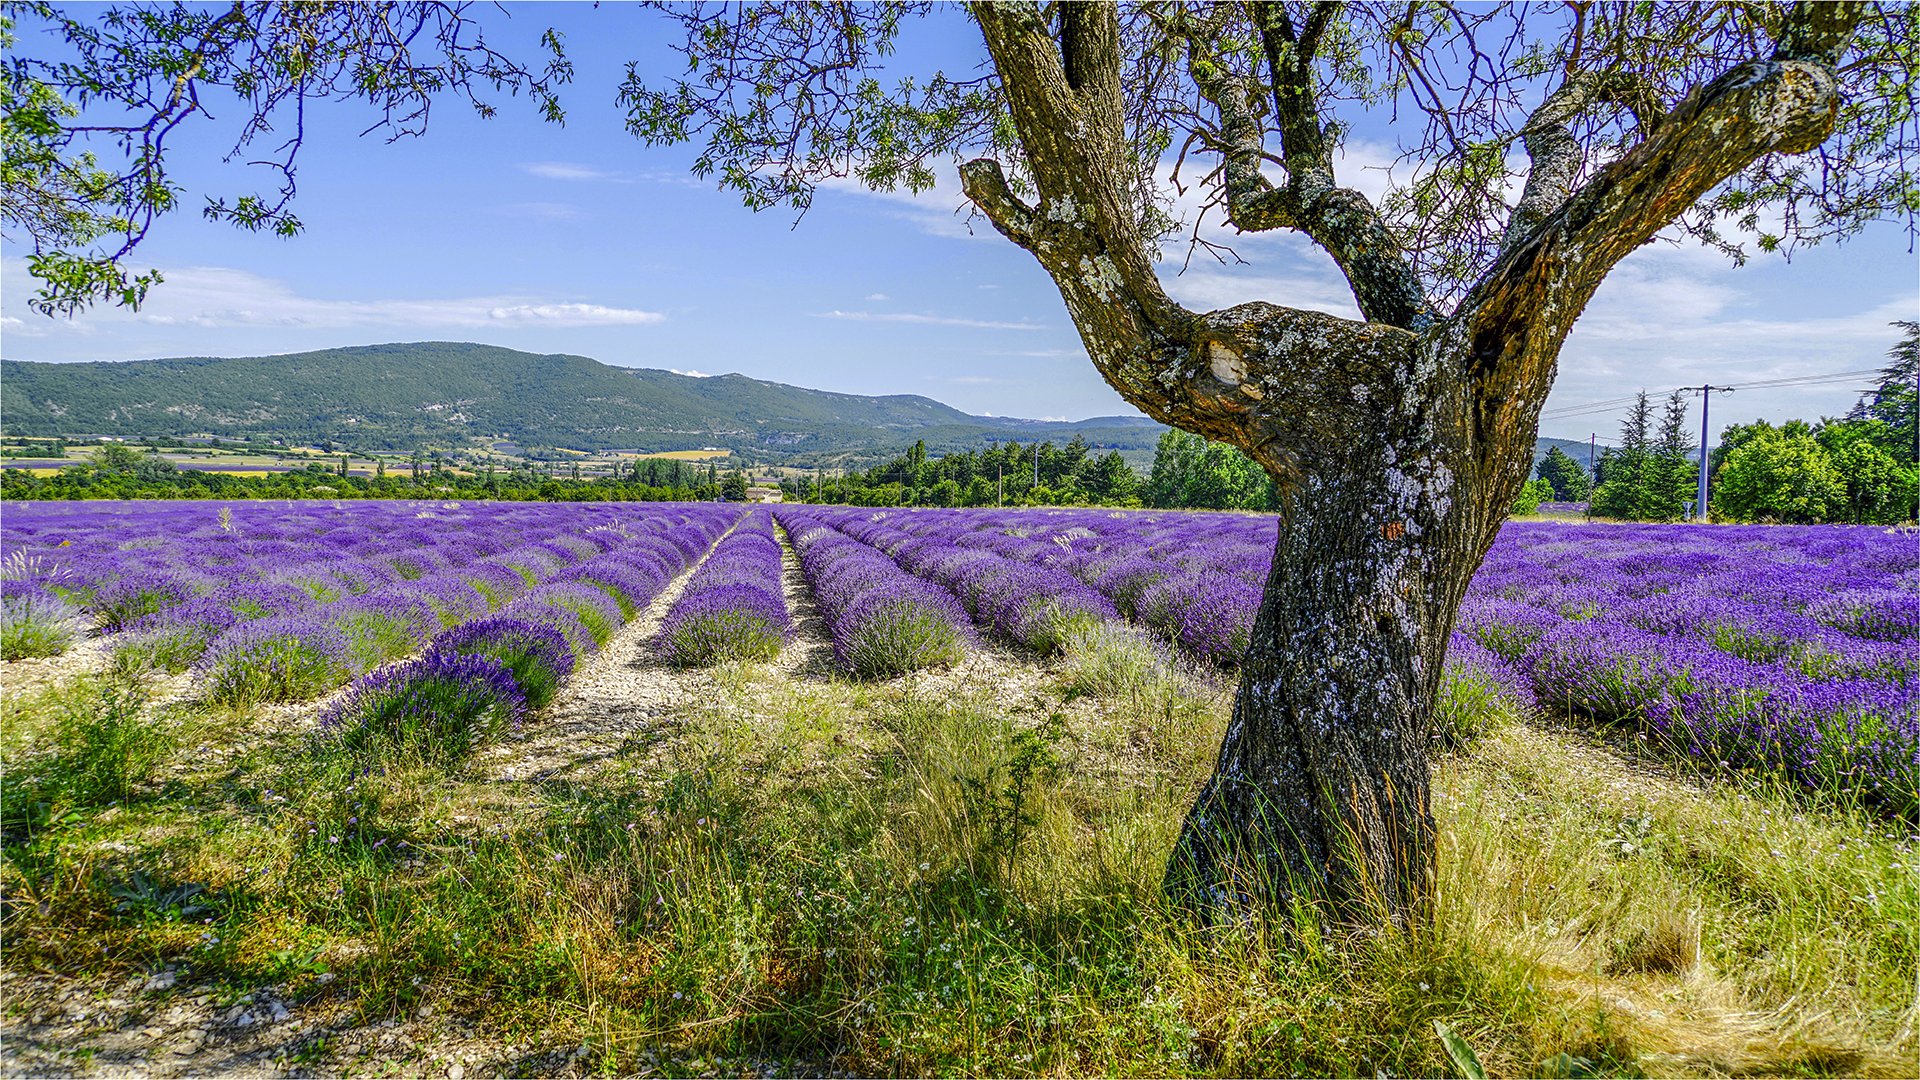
(126,79)
(784,97)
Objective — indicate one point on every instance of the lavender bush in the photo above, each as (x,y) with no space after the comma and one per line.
(728,622)
(734,607)
(382,627)
(436,709)
(884,621)
(34,622)
(135,594)
(1479,690)
(537,655)
(284,658)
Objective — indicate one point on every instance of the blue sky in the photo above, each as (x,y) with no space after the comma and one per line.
(578,239)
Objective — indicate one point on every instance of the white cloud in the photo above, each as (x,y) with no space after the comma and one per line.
(877,297)
(545,211)
(1213,287)
(692,374)
(571,170)
(211,297)
(1665,301)
(1668,317)
(941,210)
(925,320)
(575,315)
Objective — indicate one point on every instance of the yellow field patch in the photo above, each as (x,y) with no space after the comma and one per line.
(684,455)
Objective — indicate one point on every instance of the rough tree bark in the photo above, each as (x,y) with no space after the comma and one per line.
(1398,442)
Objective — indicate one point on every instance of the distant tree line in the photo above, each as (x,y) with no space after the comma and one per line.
(121,472)
(1007,474)
(1859,469)
(1188,473)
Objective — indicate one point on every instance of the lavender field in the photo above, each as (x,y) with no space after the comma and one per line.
(1784,650)
(805,789)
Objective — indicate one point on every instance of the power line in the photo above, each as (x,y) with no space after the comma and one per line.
(1589,408)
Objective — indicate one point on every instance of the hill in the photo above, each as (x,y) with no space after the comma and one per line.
(447,393)
(403,396)
(1573,448)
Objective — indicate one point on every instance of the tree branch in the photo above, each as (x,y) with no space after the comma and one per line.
(1340,220)
(1068,108)
(1556,155)
(983,182)
(1520,311)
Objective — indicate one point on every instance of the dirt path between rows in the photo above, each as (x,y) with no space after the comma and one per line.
(809,651)
(621,699)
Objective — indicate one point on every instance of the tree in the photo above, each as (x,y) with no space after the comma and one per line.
(1397,441)
(1672,479)
(115,458)
(1567,477)
(1109,479)
(1532,494)
(1895,402)
(1781,475)
(1191,473)
(1622,493)
(734,487)
(1879,484)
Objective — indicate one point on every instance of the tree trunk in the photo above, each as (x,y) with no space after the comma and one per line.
(1392,497)
(1321,787)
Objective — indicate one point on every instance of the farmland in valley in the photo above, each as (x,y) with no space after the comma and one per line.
(749,786)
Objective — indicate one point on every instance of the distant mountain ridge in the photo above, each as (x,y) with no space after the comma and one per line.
(437,393)
(401,396)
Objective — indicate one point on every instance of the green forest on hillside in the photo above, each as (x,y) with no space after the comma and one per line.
(406,396)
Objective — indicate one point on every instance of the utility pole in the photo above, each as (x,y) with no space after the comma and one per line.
(1593,478)
(1706,396)
(1000,487)
(1036,464)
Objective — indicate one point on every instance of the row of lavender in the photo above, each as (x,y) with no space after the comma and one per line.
(884,621)
(1028,603)
(481,678)
(1790,650)
(735,605)
(1024,580)
(1787,650)
(272,603)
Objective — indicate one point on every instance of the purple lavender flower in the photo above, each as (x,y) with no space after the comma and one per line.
(34,622)
(537,654)
(630,587)
(381,626)
(734,606)
(435,709)
(134,594)
(725,622)
(884,621)
(284,658)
